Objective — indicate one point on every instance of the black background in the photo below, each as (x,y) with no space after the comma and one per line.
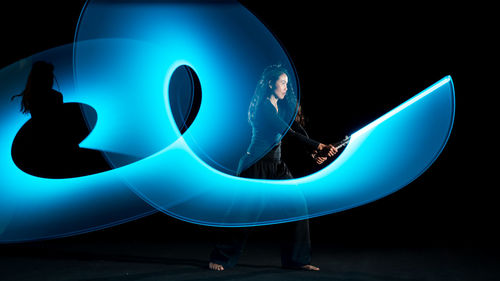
(355,62)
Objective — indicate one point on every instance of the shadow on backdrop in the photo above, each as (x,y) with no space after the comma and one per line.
(47,145)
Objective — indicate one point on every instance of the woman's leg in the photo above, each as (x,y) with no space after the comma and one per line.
(228,249)
(296,244)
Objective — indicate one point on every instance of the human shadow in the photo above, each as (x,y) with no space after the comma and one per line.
(51,149)
(47,145)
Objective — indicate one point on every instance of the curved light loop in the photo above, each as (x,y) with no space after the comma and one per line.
(189,176)
(143,43)
(381,158)
(34,208)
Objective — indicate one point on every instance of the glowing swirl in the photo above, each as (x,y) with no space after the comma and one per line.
(122,66)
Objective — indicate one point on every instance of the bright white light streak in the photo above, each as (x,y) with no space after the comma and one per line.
(404,105)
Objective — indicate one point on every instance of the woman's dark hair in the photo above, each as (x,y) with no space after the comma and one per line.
(300,117)
(41,78)
(287,106)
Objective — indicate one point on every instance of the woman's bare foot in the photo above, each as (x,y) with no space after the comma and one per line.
(309,267)
(215,266)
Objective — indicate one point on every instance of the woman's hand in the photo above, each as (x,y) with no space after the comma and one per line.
(320,159)
(326,150)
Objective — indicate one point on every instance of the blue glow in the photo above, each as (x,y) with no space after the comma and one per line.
(381,158)
(224,44)
(37,208)
(122,70)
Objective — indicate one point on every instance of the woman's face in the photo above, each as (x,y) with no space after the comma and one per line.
(280,86)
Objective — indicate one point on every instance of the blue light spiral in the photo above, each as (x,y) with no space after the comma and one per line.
(120,64)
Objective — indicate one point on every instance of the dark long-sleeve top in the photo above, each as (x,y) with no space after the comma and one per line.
(267,131)
(297,157)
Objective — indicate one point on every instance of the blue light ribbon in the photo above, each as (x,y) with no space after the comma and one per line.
(122,64)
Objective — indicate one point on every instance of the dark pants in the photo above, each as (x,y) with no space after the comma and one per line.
(295,245)
(294,236)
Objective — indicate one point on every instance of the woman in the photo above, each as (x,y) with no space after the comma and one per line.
(271,104)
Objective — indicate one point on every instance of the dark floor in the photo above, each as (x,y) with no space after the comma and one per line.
(140,260)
